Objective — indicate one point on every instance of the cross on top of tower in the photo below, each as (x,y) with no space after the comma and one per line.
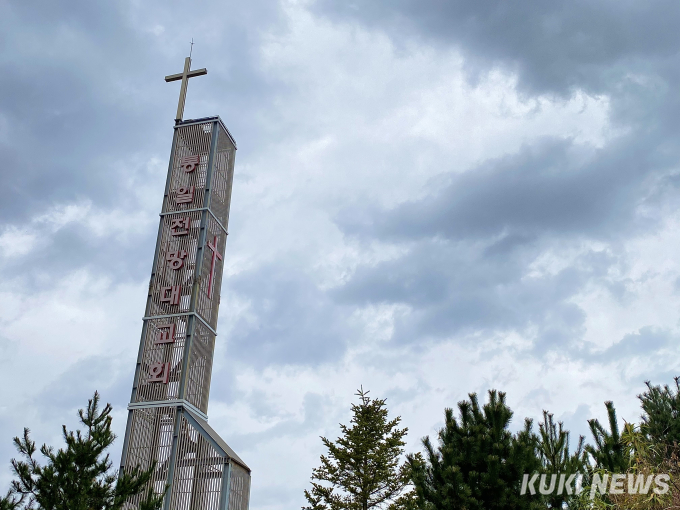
(184,76)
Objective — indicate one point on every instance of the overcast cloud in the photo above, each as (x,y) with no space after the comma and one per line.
(430,199)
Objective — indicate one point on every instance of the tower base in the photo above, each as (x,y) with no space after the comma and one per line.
(196,466)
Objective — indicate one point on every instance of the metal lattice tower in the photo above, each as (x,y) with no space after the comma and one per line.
(167,421)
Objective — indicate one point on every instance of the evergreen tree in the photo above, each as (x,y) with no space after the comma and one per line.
(661,413)
(479,463)
(553,450)
(79,476)
(362,469)
(609,452)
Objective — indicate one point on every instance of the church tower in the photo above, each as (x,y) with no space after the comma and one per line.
(167,420)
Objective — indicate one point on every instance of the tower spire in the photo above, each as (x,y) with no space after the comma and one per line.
(167,427)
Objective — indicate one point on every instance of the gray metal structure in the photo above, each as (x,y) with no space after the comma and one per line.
(167,421)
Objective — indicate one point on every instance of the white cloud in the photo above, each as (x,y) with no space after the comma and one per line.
(15,242)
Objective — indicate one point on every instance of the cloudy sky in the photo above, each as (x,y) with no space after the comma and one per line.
(430,199)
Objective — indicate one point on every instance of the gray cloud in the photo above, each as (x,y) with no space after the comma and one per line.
(471,242)
(452,288)
(84,90)
(577,424)
(83,108)
(552,188)
(648,340)
(289,320)
(77,384)
(554,46)
(58,403)
(550,194)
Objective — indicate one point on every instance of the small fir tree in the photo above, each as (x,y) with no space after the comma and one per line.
(77,477)
(362,469)
(479,463)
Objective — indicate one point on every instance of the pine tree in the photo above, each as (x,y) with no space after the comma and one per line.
(661,413)
(609,452)
(362,469)
(479,463)
(79,476)
(553,450)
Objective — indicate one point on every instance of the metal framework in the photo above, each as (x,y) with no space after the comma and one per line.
(167,420)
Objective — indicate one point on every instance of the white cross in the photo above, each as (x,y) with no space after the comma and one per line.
(184,76)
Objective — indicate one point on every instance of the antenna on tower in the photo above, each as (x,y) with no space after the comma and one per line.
(192,47)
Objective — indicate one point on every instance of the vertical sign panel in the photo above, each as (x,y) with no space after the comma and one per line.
(169,404)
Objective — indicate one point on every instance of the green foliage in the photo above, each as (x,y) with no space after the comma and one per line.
(362,469)
(609,452)
(553,451)
(77,477)
(479,463)
(661,413)
(647,458)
